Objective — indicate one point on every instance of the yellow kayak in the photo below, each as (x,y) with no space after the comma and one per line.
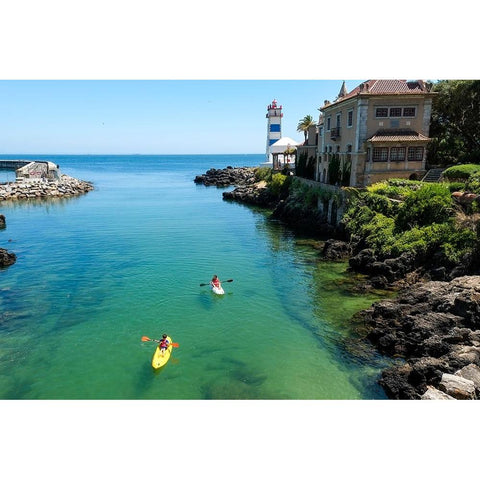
(160,360)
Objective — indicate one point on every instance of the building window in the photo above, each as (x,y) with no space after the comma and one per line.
(395,112)
(409,111)
(339,120)
(380,154)
(381,112)
(349,118)
(329,120)
(397,154)
(415,153)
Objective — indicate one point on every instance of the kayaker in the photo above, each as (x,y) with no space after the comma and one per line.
(163,344)
(215,282)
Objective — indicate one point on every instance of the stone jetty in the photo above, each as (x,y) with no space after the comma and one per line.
(65,186)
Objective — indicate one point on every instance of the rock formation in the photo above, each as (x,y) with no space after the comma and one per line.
(434,328)
(66,186)
(227,176)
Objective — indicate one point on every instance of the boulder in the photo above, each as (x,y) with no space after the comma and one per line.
(2,221)
(336,249)
(471,372)
(458,387)
(433,393)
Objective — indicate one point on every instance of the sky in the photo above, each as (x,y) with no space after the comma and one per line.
(153,116)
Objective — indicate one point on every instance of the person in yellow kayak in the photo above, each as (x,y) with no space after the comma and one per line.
(163,344)
(215,282)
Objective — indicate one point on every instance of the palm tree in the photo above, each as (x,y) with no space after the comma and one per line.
(304,124)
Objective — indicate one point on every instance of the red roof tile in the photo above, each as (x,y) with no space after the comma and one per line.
(397,136)
(384,87)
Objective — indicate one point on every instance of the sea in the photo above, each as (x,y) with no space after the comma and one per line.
(97,272)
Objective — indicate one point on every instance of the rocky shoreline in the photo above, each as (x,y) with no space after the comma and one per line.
(432,328)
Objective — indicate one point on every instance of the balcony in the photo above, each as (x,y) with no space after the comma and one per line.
(335,133)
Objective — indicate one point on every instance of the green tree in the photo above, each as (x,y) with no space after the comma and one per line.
(455,123)
(304,124)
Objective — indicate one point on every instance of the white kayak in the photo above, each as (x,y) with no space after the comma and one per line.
(217,290)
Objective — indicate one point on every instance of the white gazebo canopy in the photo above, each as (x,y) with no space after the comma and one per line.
(282,144)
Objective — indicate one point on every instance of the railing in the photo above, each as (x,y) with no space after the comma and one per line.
(335,133)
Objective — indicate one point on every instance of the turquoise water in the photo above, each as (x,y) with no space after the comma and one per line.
(96,272)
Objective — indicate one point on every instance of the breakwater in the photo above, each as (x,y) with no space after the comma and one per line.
(65,186)
(13,164)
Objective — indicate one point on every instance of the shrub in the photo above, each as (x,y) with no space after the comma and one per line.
(355,216)
(473,183)
(395,188)
(381,204)
(378,233)
(432,203)
(461,171)
(456,186)
(263,173)
(279,184)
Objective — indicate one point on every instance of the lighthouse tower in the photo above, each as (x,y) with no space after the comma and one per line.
(274,125)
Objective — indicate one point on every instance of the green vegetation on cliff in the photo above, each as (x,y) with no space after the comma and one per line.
(398,216)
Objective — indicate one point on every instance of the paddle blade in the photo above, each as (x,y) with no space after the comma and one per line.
(176,345)
(231,280)
(203,284)
(146,339)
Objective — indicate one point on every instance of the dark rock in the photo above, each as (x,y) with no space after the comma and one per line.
(336,250)
(2,221)
(227,176)
(396,384)
(7,258)
(363,260)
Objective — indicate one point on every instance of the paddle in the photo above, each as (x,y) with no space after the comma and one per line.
(146,339)
(223,281)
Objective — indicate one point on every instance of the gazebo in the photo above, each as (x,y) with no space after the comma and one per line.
(287,148)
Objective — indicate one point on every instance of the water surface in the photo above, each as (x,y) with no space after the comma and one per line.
(96,272)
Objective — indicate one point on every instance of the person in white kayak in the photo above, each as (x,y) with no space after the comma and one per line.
(215,282)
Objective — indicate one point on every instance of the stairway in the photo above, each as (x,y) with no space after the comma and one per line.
(433,175)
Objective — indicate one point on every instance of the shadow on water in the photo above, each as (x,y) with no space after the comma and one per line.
(241,382)
(336,298)
(208,299)
(147,376)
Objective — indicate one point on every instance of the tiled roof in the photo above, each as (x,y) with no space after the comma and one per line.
(397,136)
(384,87)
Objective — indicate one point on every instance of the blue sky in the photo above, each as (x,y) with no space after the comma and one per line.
(152,116)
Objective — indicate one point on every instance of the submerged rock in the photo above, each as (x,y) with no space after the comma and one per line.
(7,258)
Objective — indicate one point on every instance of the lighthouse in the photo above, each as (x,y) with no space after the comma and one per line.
(274,125)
